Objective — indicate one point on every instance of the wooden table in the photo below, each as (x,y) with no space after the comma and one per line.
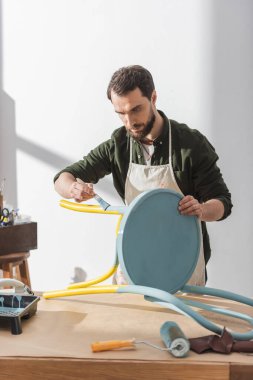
(18,238)
(15,244)
(55,343)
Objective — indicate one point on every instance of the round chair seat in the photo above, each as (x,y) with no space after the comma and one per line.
(157,246)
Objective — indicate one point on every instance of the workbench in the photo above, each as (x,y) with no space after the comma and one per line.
(55,343)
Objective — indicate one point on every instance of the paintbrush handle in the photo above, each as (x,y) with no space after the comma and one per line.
(108,345)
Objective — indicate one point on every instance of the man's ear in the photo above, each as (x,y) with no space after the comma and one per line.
(154,97)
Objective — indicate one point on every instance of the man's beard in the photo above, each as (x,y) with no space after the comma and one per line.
(140,135)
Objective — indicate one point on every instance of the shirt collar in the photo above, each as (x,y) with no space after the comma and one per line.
(165,130)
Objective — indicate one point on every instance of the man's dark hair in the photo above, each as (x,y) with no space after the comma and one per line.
(128,79)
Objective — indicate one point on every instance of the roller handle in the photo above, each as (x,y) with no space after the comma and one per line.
(108,345)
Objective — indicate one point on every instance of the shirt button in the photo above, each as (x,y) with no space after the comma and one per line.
(139,156)
(161,142)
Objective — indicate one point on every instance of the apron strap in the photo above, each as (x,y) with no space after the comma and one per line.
(170,155)
(131,148)
(170,145)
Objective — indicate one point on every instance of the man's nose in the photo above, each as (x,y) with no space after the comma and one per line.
(129,122)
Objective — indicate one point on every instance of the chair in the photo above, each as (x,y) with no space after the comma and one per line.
(17,261)
(157,249)
(15,243)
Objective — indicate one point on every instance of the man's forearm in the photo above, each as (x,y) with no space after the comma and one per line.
(207,212)
(63,184)
(212,210)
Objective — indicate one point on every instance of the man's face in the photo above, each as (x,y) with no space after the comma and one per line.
(136,112)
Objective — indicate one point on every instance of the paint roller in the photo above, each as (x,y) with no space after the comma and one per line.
(173,338)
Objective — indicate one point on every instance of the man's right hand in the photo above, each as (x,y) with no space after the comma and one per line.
(70,187)
(81,191)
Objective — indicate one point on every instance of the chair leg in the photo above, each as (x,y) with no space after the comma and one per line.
(24,273)
(17,271)
(7,269)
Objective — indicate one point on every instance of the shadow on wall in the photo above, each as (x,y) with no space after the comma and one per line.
(232,80)
(8,166)
(57,161)
(232,94)
(10,142)
(80,275)
(232,114)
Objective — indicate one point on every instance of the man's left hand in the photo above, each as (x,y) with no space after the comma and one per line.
(190,206)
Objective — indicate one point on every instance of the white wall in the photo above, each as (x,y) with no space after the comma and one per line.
(231,120)
(57,59)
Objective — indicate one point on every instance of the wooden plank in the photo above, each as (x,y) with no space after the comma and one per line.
(241,371)
(18,238)
(67,369)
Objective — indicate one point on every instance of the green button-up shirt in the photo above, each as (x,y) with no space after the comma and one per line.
(193,161)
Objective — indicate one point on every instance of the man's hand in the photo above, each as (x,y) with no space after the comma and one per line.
(190,206)
(70,187)
(209,211)
(81,191)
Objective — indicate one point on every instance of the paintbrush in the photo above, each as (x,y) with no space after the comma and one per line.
(100,200)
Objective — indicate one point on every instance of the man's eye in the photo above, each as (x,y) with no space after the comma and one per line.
(138,109)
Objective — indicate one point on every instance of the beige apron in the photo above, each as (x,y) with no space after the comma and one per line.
(146,177)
